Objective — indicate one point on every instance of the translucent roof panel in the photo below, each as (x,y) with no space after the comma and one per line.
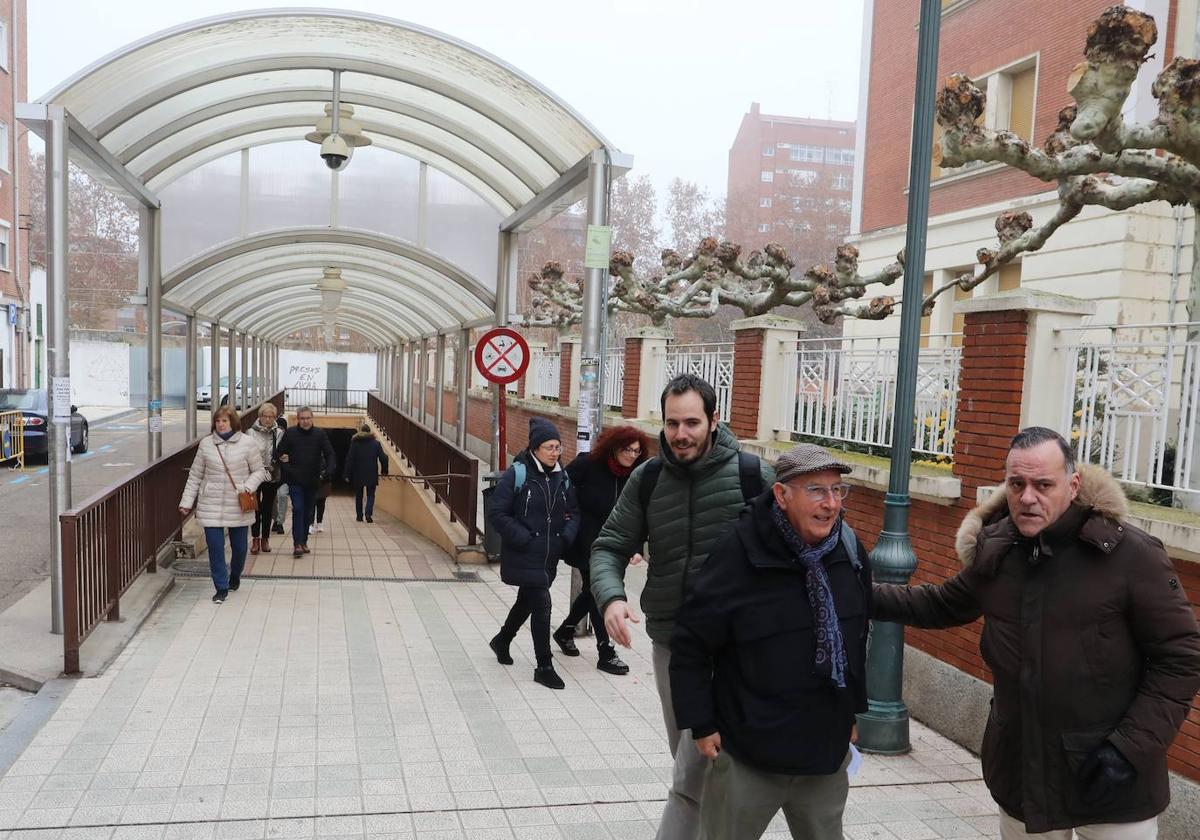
(201,210)
(289,187)
(379,192)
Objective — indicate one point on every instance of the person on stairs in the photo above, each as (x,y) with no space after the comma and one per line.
(537,516)
(364,463)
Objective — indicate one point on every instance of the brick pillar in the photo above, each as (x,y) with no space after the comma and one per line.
(1013,376)
(643,357)
(567,352)
(759,381)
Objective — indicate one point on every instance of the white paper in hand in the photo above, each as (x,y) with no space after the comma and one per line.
(855,762)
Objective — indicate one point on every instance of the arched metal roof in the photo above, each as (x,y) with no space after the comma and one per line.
(167,104)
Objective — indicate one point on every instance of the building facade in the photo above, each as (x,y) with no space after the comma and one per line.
(19,320)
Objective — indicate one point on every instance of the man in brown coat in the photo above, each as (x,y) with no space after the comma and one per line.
(1092,644)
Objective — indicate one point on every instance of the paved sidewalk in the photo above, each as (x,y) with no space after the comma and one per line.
(366,708)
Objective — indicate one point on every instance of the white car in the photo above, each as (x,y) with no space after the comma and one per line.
(204,393)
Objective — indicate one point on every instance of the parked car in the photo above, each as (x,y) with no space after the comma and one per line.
(33,403)
(204,393)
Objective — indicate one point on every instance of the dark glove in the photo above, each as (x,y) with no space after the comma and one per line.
(1105,774)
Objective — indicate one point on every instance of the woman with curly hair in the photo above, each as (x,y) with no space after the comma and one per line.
(598,477)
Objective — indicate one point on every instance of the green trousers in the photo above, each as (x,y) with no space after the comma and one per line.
(739,802)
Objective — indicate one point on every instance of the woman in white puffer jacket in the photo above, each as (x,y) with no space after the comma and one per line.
(214,494)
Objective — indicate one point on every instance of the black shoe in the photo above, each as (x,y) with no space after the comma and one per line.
(610,663)
(500,648)
(220,597)
(277,528)
(369,519)
(235,583)
(358,519)
(565,636)
(547,676)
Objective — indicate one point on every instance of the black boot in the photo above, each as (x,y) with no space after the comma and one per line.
(547,676)
(565,636)
(610,663)
(499,646)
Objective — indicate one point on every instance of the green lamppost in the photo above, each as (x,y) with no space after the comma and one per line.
(883,728)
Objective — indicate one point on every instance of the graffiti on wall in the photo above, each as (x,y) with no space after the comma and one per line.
(304,376)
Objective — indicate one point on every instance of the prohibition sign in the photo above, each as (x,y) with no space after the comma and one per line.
(502,355)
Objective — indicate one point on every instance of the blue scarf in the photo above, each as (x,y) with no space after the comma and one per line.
(226,435)
(831,650)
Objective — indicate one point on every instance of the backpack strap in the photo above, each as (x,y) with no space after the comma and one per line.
(518,475)
(749,476)
(650,474)
(850,541)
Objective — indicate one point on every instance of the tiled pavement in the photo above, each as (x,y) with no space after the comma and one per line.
(362,708)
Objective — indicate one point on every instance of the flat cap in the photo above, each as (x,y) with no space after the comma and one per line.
(804,458)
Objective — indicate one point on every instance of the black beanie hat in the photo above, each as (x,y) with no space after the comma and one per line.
(540,431)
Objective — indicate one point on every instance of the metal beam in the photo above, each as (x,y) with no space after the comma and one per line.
(214,373)
(150,267)
(567,189)
(189,382)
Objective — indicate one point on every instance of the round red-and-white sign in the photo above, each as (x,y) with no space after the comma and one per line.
(502,355)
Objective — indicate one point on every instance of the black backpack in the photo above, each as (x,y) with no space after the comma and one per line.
(749,477)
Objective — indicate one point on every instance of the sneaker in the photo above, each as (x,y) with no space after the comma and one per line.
(277,527)
(547,676)
(320,527)
(312,529)
(235,583)
(500,648)
(610,663)
(220,596)
(565,636)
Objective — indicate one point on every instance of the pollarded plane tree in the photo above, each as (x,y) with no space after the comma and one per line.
(1093,156)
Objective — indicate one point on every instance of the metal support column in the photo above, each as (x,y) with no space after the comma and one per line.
(214,369)
(189,382)
(883,728)
(506,258)
(256,372)
(464,382)
(423,365)
(231,378)
(150,264)
(57,348)
(595,286)
(244,390)
(439,383)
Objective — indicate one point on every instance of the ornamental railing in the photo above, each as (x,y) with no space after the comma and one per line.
(614,377)
(712,362)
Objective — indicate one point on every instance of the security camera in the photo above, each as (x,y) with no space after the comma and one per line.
(335,152)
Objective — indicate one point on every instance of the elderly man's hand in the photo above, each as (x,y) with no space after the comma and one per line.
(617,616)
(709,746)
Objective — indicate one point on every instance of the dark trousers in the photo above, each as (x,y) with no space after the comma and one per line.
(319,510)
(359,491)
(304,505)
(585,604)
(266,509)
(533,603)
(215,538)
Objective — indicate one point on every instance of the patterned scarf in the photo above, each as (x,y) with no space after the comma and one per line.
(831,651)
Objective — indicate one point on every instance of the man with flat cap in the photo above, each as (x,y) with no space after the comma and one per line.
(768,657)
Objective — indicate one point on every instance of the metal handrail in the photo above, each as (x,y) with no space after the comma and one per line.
(433,457)
(116,534)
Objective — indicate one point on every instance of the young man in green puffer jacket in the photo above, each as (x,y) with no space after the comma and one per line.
(681,503)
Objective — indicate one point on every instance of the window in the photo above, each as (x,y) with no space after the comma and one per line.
(4,45)
(844,207)
(803,177)
(1011,95)
(764,227)
(768,151)
(810,154)
(765,201)
(4,146)
(767,176)
(841,157)
(5,230)
(841,181)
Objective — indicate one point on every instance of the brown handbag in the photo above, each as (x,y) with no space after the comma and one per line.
(247,501)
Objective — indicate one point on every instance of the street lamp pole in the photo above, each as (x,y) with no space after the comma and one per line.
(883,728)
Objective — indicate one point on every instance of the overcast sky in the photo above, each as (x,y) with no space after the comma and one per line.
(665,80)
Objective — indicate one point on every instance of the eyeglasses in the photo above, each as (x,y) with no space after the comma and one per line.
(550,447)
(631,450)
(817,493)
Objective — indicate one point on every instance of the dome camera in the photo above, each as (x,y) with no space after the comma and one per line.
(335,152)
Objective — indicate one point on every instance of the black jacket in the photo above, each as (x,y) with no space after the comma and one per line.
(597,489)
(365,461)
(536,523)
(305,450)
(743,650)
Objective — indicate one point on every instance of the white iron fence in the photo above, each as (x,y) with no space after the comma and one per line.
(845,389)
(545,377)
(712,362)
(1135,405)
(614,377)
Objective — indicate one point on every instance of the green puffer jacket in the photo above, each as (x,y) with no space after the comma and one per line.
(692,505)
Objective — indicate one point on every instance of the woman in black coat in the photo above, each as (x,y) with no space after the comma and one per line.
(598,477)
(534,510)
(364,462)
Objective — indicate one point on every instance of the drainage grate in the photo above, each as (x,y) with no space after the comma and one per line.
(459,577)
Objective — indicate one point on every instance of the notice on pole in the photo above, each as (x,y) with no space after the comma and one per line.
(62,399)
(599,245)
(156,423)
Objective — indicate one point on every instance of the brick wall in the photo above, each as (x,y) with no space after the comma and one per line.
(564,373)
(633,377)
(747,383)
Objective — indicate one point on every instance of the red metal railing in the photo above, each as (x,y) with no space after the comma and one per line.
(434,456)
(110,539)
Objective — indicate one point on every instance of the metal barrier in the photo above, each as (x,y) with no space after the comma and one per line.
(435,459)
(110,539)
(328,400)
(12,437)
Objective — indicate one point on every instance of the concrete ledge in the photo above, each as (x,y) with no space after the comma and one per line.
(1027,300)
(768,322)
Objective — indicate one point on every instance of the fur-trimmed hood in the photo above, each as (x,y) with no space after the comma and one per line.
(1097,490)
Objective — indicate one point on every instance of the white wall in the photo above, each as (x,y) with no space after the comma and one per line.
(99,373)
(309,369)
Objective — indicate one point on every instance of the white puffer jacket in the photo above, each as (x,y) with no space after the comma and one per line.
(208,487)
(262,435)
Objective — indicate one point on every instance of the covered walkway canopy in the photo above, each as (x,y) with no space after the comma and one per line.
(202,127)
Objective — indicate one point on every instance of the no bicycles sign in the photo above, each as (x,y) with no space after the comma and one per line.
(502,355)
